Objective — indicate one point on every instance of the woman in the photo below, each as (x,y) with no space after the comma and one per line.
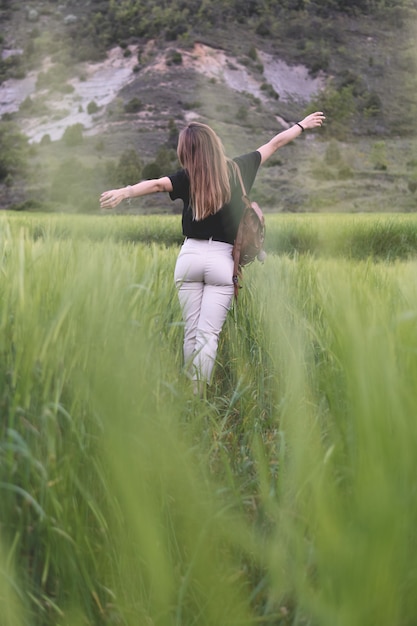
(211,194)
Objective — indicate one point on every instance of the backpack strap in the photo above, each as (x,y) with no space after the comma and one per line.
(245,195)
(248,208)
(238,241)
(236,258)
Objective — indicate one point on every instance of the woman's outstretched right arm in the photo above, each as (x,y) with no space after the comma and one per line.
(110,199)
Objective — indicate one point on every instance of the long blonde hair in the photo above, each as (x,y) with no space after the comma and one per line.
(201,153)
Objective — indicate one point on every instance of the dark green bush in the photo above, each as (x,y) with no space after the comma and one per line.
(54,78)
(46,140)
(14,151)
(76,186)
(92,107)
(263,28)
(151,170)
(73,135)
(269,90)
(372,105)
(129,168)
(173,57)
(340,107)
(332,155)
(31,107)
(12,67)
(252,53)
(133,106)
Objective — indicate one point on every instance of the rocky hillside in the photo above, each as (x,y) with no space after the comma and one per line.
(113,109)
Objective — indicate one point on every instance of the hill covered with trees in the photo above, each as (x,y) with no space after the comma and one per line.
(364,49)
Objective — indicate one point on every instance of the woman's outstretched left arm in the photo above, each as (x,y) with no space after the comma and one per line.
(281,139)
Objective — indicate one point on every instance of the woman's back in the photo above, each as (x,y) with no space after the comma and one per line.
(220,225)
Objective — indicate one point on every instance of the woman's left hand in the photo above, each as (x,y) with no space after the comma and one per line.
(313,120)
(110,199)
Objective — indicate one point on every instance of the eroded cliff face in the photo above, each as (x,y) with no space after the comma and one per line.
(103,82)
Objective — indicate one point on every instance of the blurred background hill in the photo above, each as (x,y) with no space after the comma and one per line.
(93,94)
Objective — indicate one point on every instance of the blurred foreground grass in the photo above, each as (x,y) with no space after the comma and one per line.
(287,497)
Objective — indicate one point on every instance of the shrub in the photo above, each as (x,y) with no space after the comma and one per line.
(372,105)
(412,185)
(68,180)
(46,140)
(14,151)
(339,105)
(166,158)
(242,114)
(350,78)
(344,171)
(133,106)
(173,134)
(151,170)
(332,155)
(26,105)
(33,107)
(173,57)
(252,53)
(73,135)
(379,156)
(65,88)
(100,145)
(76,186)
(269,90)
(54,78)
(129,168)
(263,29)
(92,107)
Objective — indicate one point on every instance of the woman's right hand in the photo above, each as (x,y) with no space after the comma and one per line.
(110,199)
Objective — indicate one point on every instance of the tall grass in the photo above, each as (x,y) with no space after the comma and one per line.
(383,237)
(342,507)
(286,497)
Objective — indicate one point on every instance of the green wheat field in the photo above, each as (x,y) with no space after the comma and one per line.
(288,496)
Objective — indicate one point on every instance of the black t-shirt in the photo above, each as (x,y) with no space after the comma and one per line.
(223,225)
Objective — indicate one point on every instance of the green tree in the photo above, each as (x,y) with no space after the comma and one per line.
(339,105)
(14,151)
(151,170)
(166,158)
(379,155)
(129,168)
(73,135)
(133,106)
(172,140)
(77,186)
(92,107)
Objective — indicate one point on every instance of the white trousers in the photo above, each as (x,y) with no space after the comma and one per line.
(204,279)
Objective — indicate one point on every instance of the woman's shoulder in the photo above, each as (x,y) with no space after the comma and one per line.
(179,175)
(180,184)
(248,163)
(249,157)
(179,179)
